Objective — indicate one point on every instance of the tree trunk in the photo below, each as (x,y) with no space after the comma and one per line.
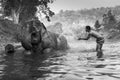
(15,17)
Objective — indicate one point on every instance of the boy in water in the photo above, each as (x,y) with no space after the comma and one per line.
(99,40)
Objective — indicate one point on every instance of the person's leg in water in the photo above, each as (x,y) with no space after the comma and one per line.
(101,46)
(97,45)
(99,50)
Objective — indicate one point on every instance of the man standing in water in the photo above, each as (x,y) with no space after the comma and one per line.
(99,40)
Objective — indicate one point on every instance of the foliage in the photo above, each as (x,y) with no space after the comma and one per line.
(71,16)
(109,20)
(23,10)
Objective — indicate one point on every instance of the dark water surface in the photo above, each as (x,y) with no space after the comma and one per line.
(23,67)
(68,65)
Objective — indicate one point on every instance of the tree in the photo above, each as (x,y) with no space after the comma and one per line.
(22,10)
(109,20)
(111,17)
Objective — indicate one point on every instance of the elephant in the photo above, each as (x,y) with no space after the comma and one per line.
(54,41)
(62,43)
(32,42)
(40,40)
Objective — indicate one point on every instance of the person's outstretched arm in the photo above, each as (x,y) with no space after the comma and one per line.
(84,38)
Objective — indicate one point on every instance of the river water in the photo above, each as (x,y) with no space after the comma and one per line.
(78,63)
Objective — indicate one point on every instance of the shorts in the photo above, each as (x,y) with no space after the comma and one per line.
(100,40)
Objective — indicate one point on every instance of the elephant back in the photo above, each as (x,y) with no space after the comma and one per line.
(49,40)
(62,43)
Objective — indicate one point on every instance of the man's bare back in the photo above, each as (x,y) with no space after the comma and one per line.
(95,34)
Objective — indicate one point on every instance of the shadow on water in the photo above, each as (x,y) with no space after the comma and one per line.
(21,67)
(100,66)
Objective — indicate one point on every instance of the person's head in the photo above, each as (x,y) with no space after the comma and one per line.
(9,49)
(88,28)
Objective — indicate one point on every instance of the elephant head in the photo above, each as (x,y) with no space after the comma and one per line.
(35,38)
